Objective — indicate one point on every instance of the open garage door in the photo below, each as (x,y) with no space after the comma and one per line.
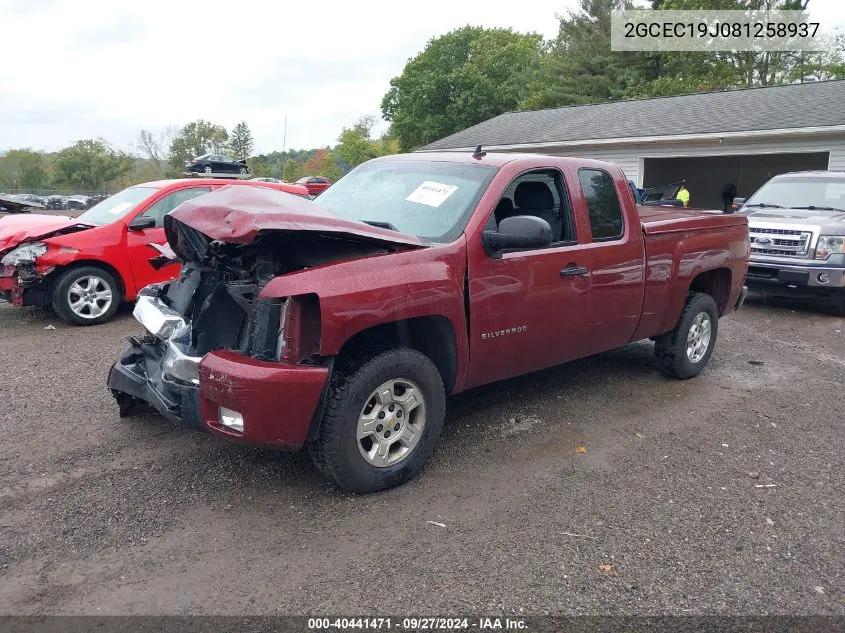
(706,176)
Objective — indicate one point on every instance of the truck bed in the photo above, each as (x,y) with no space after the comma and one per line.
(679,245)
(656,220)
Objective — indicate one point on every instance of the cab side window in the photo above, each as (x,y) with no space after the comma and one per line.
(541,193)
(171,201)
(606,222)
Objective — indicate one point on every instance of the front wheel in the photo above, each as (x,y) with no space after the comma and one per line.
(685,351)
(207,169)
(86,296)
(383,417)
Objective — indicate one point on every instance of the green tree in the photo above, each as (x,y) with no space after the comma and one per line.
(92,165)
(240,141)
(354,144)
(314,165)
(460,79)
(145,170)
(23,169)
(291,171)
(696,72)
(579,67)
(259,166)
(331,169)
(195,139)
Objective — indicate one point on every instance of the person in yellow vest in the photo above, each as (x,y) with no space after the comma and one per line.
(683,195)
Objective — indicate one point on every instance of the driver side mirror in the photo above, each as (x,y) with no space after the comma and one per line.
(518,231)
(736,204)
(141,223)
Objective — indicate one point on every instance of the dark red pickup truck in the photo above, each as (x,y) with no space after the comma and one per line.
(343,323)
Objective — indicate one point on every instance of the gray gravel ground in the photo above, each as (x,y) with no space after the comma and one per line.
(659,516)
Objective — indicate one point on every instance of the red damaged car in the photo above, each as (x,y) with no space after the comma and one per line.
(84,267)
(343,323)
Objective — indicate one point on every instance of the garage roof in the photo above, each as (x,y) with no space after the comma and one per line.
(792,106)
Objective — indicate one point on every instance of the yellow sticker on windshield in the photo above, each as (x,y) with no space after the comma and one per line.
(432,194)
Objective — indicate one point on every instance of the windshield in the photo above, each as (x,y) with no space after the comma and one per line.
(809,191)
(432,200)
(116,206)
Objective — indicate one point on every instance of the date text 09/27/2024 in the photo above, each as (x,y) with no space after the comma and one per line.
(418,624)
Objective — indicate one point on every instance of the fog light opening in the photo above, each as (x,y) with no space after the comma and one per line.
(231,419)
(823,278)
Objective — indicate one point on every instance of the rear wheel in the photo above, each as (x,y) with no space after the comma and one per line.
(685,351)
(383,418)
(242,170)
(86,296)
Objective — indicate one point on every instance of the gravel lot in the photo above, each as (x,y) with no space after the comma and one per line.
(719,495)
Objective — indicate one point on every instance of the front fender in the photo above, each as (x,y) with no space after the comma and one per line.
(360,294)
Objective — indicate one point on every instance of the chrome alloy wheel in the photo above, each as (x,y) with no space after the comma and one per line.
(89,297)
(391,423)
(698,338)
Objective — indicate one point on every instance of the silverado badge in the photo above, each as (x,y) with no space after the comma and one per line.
(511,330)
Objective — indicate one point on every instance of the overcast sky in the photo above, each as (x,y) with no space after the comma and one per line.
(77,69)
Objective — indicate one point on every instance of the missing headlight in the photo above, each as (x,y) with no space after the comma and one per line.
(28,252)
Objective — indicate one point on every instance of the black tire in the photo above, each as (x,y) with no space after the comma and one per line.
(837,303)
(206,169)
(62,296)
(336,451)
(671,348)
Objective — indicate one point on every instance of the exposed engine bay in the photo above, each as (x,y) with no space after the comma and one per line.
(214,304)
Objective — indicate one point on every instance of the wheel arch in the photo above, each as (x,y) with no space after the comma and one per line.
(715,282)
(96,263)
(433,336)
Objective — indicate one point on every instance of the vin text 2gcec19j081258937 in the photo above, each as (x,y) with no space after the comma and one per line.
(343,323)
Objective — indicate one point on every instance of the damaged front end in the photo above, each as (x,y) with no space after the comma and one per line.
(212,305)
(24,246)
(218,354)
(20,278)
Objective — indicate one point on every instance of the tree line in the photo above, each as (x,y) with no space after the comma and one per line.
(94,165)
(458,80)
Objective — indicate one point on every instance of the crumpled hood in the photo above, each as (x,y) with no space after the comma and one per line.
(829,222)
(15,229)
(239,214)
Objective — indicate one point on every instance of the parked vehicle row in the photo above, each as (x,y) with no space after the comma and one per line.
(59,202)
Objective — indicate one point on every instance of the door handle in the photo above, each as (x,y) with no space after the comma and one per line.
(573,271)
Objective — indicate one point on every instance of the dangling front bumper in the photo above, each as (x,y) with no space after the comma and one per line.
(258,402)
